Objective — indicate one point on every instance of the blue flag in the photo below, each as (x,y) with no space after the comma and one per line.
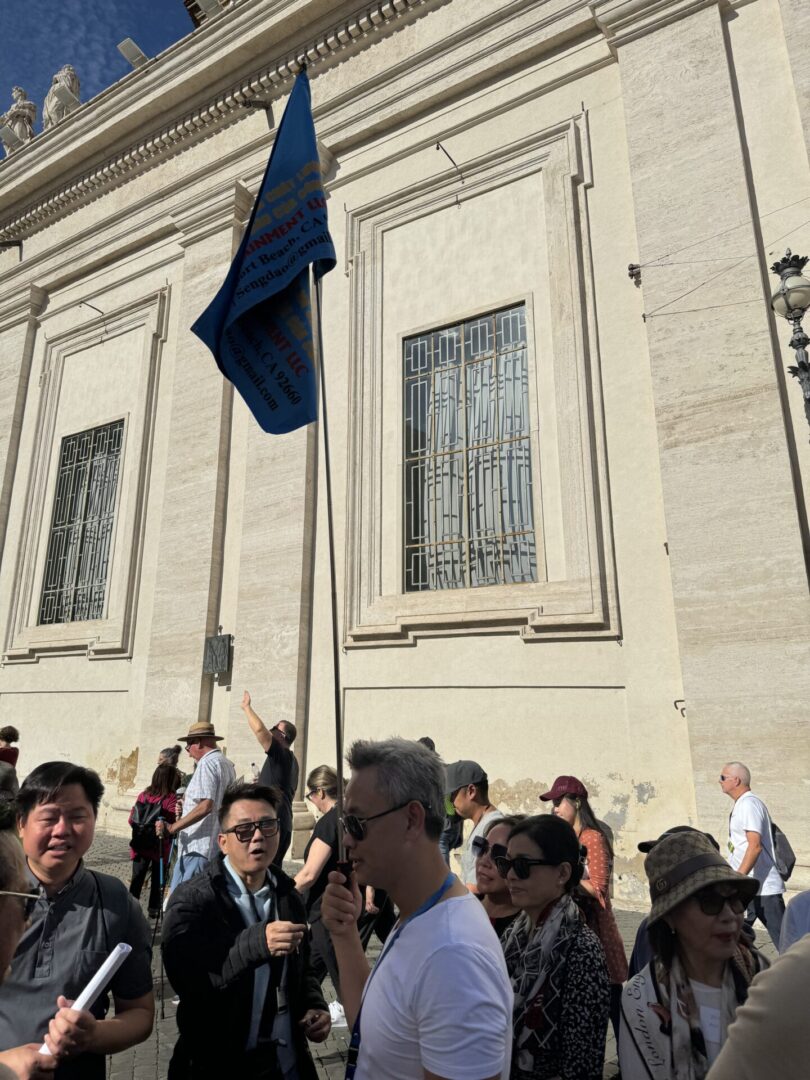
(259,325)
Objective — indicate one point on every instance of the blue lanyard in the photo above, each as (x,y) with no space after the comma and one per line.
(432,901)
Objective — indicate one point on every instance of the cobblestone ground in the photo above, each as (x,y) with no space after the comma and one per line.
(150,1060)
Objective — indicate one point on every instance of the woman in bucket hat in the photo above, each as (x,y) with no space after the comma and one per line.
(676,1011)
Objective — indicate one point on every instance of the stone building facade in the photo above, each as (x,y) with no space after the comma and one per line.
(585,553)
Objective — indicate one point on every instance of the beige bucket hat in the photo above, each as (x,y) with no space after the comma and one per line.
(201,730)
(682,864)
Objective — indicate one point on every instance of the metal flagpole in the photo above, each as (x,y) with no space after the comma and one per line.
(332,579)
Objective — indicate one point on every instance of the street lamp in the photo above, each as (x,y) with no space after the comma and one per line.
(791,300)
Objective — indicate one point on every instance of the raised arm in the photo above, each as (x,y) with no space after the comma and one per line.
(257,726)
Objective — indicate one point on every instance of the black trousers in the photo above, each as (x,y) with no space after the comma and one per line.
(284,834)
(322,959)
(141,866)
(769,910)
(261,1064)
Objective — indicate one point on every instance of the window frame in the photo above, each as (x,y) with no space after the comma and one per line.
(112,636)
(579,596)
(120,422)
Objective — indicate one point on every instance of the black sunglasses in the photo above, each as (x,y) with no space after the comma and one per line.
(282,733)
(356,826)
(267,826)
(712,902)
(30,899)
(521,864)
(481,846)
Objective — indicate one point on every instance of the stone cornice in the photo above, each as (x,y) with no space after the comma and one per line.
(270,82)
(625,20)
(26,302)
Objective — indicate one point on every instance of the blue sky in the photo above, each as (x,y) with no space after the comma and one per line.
(37,37)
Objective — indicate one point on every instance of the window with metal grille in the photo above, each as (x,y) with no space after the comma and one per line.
(81,530)
(468,470)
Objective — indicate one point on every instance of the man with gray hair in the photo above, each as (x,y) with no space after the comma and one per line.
(750,848)
(438,1003)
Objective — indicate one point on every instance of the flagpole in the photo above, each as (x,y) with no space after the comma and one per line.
(327,468)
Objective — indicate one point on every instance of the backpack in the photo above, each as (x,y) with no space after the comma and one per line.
(144,818)
(784,857)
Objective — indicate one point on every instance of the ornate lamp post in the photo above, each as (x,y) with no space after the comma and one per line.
(791,300)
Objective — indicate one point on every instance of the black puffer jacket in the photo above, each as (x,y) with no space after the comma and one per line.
(210,957)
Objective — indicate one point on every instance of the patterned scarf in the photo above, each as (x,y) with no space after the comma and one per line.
(689,1060)
(536,961)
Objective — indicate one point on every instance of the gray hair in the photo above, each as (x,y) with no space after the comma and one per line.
(405,771)
(741,772)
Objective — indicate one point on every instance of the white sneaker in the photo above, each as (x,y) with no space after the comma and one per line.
(337,1015)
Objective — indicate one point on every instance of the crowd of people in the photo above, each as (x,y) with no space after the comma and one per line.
(513,967)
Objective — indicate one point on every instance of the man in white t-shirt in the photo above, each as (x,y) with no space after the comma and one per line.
(466,788)
(438,1003)
(750,848)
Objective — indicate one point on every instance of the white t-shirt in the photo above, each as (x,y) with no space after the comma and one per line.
(467,875)
(709,1002)
(750,815)
(440,999)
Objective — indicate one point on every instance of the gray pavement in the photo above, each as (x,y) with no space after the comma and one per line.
(150,1060)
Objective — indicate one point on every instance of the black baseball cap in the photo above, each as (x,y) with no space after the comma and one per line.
(461,773)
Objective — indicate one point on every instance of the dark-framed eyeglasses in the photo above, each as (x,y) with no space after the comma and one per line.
(357,827)
(309,794)
(481,846)
(521,864)
(712,902)
(30,899)
(245,830)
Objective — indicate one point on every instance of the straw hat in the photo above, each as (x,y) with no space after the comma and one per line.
(201,730)
(682,864)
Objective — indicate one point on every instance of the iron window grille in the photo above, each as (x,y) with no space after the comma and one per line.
(77,562)
(468,509)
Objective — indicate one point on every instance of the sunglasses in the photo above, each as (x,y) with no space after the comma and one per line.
(282,733)
(481,846)
(356,826)
(267,826)
(521,864)
(30,899)
(712,902)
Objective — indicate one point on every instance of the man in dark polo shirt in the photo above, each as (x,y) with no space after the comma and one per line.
(79,918)
(280,769)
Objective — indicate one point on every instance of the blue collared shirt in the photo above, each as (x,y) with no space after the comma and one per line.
(254,907)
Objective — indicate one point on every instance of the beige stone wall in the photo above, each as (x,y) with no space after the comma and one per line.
(668,628)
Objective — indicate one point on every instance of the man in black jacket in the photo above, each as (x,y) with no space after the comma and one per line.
(235,950)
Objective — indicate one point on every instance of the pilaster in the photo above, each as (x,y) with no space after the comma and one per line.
(736,534)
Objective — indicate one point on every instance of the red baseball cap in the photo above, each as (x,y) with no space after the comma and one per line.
(565,785)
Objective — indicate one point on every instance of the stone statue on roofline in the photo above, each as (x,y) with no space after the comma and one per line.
(57,106)
(20,118)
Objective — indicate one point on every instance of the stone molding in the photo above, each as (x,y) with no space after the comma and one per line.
(582,604)
(25,640)
(625,20)
(226,108)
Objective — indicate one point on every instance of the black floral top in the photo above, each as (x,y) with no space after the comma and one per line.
(573,1012)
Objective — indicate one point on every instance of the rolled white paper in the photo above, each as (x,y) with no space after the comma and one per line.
(87,998)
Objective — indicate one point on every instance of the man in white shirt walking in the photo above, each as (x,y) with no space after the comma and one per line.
(750,847)
(198,828)
(438,1003)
